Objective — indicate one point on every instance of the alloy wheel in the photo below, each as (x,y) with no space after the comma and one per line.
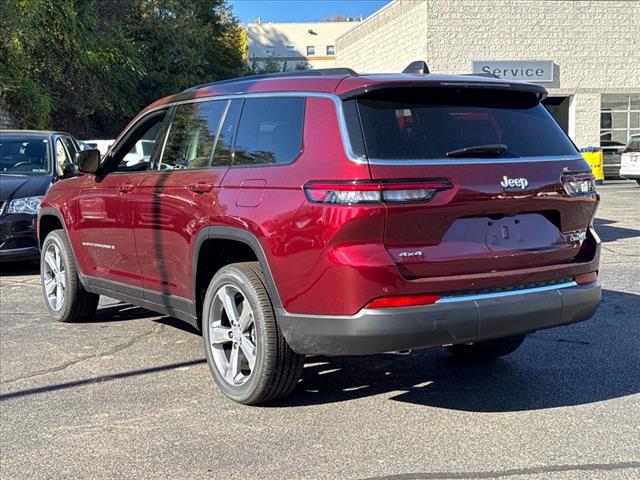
(232,335)
(54,277)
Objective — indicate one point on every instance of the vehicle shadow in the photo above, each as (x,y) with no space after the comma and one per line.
(122,311)
(584,363)
(119,312)
(610,233)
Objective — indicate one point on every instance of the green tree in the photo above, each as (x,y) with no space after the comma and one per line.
(87,66)
(182,43)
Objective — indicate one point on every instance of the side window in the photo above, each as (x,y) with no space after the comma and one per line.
(72,147)
(192,135)
(62,155)
(135,152)
(270,131)
(222,155)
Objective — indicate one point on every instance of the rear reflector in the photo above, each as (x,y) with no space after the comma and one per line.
(356,192)
(403,301)
(586,278)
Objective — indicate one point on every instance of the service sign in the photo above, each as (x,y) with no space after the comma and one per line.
(535,71)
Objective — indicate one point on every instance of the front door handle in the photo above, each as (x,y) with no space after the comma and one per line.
(201,187)
(125,187)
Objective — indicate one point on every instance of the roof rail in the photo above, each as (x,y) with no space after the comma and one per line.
(419,66)
(317,72)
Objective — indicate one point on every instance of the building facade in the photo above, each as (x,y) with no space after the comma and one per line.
(311,44)
(586,53)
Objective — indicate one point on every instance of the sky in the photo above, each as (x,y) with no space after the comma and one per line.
(302,10)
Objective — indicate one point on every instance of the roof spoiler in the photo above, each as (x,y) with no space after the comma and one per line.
(539,91)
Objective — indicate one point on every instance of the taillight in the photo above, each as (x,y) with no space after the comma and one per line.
(358,192)
(580,183)
(403,301)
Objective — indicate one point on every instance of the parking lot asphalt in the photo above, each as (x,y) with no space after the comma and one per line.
(129,395)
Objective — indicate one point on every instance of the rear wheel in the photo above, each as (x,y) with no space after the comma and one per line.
(248,357)
(64,295)
(487,350)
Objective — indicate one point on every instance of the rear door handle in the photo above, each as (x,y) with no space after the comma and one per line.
(125,187)
(200,187)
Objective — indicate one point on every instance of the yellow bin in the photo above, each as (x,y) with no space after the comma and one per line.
(593,156)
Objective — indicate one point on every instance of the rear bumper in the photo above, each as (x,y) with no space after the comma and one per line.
(460,321)
(630,175)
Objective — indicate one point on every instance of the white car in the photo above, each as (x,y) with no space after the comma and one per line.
(102,145)
(140,153)
(630,161)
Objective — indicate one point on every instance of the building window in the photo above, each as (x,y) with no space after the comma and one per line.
(619,119)
(311,50)
(331,49)
(270,51)
(291,50)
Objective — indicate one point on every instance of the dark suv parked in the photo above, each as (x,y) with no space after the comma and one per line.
(332,213)
(30,161)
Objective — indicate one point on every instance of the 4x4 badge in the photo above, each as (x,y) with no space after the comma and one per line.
(514,182)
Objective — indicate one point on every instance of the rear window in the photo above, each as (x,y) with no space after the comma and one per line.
(412,124)
(633,145)
(270,131)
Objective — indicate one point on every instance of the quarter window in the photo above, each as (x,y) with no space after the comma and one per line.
(192,135)
(270,131)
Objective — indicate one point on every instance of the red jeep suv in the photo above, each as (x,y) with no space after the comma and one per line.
(332,213)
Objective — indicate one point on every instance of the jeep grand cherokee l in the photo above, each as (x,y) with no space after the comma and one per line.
(332,213)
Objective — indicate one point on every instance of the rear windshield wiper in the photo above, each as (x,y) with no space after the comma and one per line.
(489,150)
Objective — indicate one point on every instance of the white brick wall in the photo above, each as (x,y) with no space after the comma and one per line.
(594,44)
(384,42)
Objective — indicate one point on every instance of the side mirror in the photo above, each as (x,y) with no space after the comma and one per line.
(88,161)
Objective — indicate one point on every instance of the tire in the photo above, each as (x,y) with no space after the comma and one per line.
(76,303)
(254,333)
(487,350)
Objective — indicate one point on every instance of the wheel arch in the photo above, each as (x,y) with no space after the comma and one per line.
(49,219)
(241,237)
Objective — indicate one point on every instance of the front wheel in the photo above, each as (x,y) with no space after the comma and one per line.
(248,357)
(64,295)
(488,349)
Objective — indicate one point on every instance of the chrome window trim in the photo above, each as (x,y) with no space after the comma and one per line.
(485,296)
(348,150)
